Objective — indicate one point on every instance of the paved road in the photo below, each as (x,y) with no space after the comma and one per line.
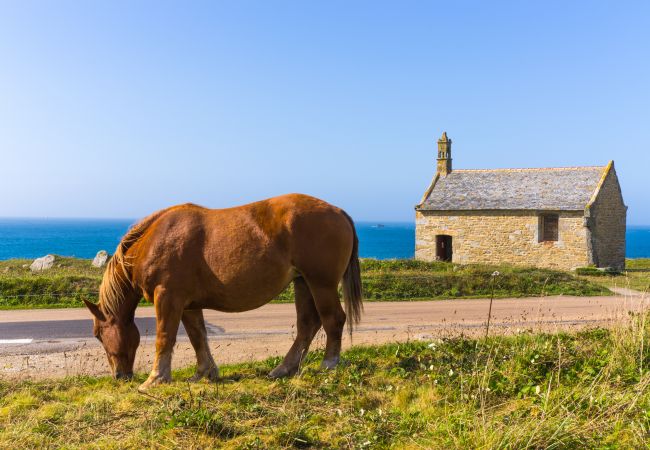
(39,343)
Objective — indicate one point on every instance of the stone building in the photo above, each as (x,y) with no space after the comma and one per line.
(560,218)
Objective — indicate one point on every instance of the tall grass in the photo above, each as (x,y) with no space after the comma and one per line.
(580,390)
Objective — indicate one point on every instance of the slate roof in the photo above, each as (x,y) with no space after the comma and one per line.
(557,189)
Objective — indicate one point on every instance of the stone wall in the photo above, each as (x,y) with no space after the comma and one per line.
(607,220)
(503,237)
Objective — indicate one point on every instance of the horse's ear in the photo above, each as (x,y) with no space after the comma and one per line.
(94,309)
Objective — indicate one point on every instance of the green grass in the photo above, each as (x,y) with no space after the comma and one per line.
(637,278)
(71,280)
(638,263)
(64,285)
(582,390)
(409,279)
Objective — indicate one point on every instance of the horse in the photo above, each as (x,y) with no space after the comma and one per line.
(187,258)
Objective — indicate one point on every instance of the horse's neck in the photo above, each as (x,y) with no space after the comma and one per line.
(126,308)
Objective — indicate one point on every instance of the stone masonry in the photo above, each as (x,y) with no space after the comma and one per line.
(606,217)
(498,237)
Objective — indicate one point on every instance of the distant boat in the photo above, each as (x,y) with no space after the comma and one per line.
(379,225)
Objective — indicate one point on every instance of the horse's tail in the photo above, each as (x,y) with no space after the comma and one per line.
(117,281)
(352,289)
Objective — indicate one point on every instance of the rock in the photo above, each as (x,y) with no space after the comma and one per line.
(42,263)
(100,259)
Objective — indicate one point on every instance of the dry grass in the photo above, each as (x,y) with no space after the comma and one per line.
(583,390)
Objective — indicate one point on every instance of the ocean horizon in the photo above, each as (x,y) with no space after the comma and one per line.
(83,238)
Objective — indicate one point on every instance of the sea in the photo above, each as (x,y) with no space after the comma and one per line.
(83,238)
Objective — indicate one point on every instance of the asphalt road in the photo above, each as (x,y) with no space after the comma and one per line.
(45,343)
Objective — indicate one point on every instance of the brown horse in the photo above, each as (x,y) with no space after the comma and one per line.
(187,258)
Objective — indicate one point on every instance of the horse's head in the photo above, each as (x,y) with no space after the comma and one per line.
(120,338)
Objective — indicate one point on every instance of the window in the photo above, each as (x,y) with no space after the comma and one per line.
(549,228)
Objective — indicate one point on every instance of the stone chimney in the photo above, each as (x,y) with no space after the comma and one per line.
(444,155)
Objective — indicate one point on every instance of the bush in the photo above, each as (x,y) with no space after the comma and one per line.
(596,272)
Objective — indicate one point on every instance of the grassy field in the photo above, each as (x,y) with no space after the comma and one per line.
(584,390)
(637,277)
(73,279)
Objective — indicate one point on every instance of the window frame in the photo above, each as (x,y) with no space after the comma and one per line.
(543,227)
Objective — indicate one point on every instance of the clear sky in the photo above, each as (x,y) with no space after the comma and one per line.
(116,109)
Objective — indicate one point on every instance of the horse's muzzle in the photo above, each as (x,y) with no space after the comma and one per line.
(123,376)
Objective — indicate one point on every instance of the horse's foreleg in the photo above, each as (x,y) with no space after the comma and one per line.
(332,315)
(195,326)
(308,324)
(168,318)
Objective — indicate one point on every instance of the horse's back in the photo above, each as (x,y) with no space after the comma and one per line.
(242,257)
(321,236)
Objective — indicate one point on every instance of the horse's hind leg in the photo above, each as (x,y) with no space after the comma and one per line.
(331,314)
(168,318)
(308,324)
(195,326)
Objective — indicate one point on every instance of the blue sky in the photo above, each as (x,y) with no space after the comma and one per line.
(116,109)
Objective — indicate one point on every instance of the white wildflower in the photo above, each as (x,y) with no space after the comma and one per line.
(496,273)
(451,372)
(537,389)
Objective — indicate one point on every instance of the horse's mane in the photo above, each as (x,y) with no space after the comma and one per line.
(117,280)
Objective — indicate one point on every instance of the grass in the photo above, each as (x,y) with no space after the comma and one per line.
(410,279)
(71,280)
(637,277)
(64,285)
(581,390)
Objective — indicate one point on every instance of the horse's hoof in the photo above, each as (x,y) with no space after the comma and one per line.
(281,372)
(211,374)
(330,364)
(153,381)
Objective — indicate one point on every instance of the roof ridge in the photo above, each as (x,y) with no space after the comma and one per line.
(530,169)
